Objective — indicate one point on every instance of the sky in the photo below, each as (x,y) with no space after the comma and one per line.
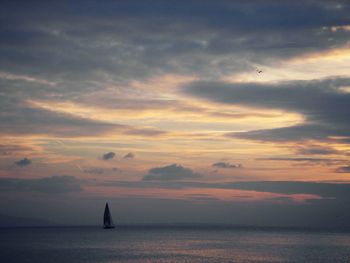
(218,112)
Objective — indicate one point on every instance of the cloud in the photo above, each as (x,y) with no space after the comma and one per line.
(145,132)
(343,169)
(23,162)
(226,165)
(49,185)
(211,29)
(292,133)
(100,170)
(95,170)
(231,30)
(170,173)
(201,197)
(301,159)
(108,156)
(129,155)
(20,118)
(208,41)
(9,149)
(325,190)
(321,102)
(316,149)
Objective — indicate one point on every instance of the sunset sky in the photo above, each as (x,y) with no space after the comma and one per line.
(234,112)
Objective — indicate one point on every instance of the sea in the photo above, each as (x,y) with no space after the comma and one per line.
(172,244)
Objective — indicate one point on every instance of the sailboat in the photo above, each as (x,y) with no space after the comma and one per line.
(107,218)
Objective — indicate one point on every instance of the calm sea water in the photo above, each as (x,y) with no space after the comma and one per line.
(171,244)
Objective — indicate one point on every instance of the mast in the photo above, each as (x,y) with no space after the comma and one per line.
(107,218)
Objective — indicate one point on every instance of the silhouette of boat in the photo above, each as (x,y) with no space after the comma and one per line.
(107,218)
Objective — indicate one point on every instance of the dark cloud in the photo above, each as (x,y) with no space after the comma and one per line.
(71,51)
(342,140)
(95,170)
(129,156)
(323,189)
(201,197)
(316,149)
(302,159)
(144,132)
(9,149)
(343,169)
(49,185)
(322,102)
(149,39)
(283,199)
(108,156)
(23,162)
(170,173)
(100,170)
(292,133)
(226,165)
(111,102)
(20,118)
(158,36)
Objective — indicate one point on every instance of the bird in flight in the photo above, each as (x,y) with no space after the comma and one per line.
(259,71)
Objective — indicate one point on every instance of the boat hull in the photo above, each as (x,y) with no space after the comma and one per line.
(108,227)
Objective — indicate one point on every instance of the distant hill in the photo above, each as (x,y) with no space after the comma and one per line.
(12,221)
